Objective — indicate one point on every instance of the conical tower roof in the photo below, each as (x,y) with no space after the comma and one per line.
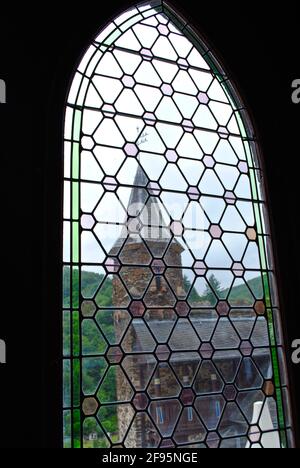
(145,221)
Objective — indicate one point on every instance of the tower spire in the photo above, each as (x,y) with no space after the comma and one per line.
(144,212)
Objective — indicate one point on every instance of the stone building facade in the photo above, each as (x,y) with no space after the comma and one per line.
(145,239)
(158,296)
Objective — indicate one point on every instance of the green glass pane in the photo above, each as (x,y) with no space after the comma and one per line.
(76,429)
(76,334)
(283,438)
(77,125)
(112,38)
(67,429)
(258,218)
(103,48)
(271,328)
(75,161)
(280,409)
(158,7)
(76,382)
(267,290)
(179,24)
(67,383)
(248,153)
(66,288)
(131,22)
(262,253)
(66,333)
(253,184)
(75,288)
(276,368)
(75,237)
(75,201)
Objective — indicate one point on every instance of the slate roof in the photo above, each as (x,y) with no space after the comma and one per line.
(224,333)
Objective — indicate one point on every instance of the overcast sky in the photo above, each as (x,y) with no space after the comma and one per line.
(193,168)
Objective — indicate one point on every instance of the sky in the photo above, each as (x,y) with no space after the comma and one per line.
(133,85)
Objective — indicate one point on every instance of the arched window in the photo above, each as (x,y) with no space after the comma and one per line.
(172,333)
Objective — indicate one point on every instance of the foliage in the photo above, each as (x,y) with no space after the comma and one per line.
(90,283)
(94,368)
(215,289)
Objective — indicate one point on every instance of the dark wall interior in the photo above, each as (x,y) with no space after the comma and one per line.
(39,48)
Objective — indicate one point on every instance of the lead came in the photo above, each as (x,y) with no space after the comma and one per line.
(169,288)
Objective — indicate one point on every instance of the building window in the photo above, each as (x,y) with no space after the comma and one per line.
(164,192)
(190,414)
(160,415)
(218,409)
(158,283)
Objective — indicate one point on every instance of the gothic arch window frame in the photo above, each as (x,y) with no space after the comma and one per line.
(78,89)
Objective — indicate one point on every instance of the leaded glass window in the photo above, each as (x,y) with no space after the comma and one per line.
(172,333)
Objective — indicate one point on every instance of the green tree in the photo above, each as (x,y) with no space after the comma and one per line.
(90,283)
(194,297)
(215,289)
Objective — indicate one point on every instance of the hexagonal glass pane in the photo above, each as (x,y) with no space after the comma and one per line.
(171,312)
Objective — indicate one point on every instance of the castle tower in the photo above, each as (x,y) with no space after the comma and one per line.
(144,242)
